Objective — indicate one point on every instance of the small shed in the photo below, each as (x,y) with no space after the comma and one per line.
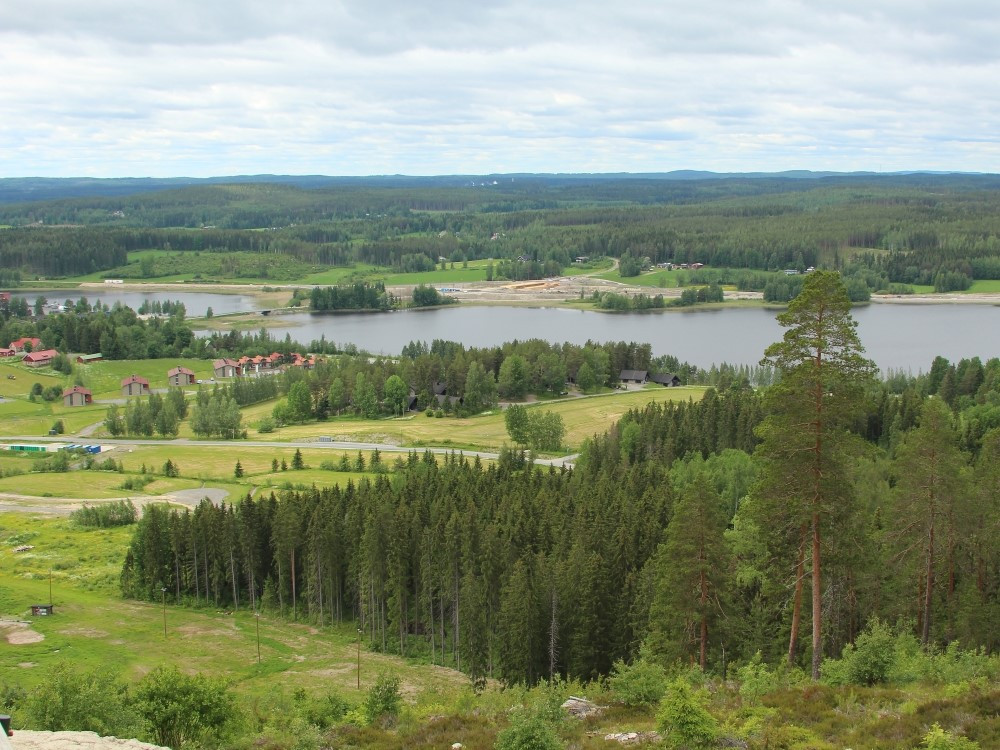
(42,610)
(86,359)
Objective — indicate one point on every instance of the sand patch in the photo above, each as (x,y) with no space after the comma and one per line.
(27,664)
(19,633)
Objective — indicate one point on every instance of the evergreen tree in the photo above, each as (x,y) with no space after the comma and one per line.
(805,445)
(691,568)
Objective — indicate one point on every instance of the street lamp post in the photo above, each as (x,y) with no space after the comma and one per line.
(163,597)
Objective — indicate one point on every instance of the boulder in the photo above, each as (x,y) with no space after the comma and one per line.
(581,707)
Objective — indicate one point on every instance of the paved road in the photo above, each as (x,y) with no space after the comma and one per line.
(339,445)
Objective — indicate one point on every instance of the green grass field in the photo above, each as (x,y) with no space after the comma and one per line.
(89,485)
(985,286)
(659,278)
(582,417)
(93,627)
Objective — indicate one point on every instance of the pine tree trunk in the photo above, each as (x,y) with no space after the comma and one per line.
(295,614)
(817,601)
(703,649)
(928,587)
(800,574)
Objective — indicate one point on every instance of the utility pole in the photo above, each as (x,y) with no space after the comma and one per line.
(359,658)
(163,596)
(257,617)
(50,587)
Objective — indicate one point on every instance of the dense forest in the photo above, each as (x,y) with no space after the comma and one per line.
(828,501)
(939,230)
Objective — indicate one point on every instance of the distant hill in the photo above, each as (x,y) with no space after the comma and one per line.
(36,189)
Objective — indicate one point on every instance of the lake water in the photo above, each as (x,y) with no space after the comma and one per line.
(196,303)
(896,336)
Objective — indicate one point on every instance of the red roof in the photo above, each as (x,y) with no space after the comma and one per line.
(179,371)
(225,361)
(135,379)
(19,344)
(77,389)
(40,356)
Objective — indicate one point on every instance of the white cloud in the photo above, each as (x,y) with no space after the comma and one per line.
(110,88)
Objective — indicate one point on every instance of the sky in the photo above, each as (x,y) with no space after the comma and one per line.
(198,88)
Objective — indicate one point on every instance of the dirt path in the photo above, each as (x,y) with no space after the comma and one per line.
(63,506)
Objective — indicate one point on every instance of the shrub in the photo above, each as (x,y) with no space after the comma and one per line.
(528,732)
(383,699)
(76,701)
(938,739)
(183,708)
(641,683)
(868,661)
(683,719)
(265,425)
(755,680)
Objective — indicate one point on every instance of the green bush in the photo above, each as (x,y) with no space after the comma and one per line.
(683,719)
(84,702)
(528,732)
(938,739)
(755,680)
(641,683)
(182,708)
(383,700)
(871,658)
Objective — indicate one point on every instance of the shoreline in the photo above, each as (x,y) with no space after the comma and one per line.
(565,289)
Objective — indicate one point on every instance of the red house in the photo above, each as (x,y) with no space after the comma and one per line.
(40,359)
(19,345)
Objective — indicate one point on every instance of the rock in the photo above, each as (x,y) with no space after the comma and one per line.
(25,739)
(633,738)
(581,707)
(457,746)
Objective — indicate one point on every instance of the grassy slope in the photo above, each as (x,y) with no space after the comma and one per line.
(94,628)
(581,416)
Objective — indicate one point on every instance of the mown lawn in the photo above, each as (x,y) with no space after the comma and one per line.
(87,485)
(582,417)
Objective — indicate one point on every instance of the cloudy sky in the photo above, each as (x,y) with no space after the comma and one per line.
(109,88)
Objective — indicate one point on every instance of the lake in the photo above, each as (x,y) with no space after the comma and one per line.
(896,336)
(196,303)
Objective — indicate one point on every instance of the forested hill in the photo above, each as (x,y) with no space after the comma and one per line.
(612,186)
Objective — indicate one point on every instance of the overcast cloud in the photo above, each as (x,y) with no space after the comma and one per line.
(197,88)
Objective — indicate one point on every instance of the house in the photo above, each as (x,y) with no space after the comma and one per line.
(633,376)
(86,359)
(40,359)
(7,352)
(666,379)
(77,396)
(697,266)
(21,344)
(440,388)
(453,400)
(134,385)
(226,368)
(4,296)
(180,376)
